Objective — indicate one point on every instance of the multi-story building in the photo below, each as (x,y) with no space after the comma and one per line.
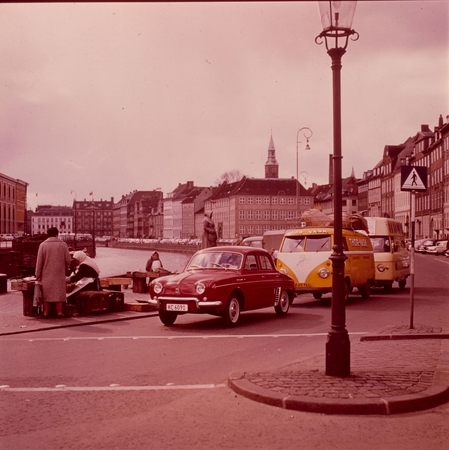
(47,216)
(252,206)
(136,214)
(93,217)
(13,194)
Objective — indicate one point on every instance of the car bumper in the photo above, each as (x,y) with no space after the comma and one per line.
(194,304)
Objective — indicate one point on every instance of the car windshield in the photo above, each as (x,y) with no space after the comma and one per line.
(216,260)
(294,244)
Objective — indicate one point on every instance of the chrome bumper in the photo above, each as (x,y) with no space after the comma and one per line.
(198,303)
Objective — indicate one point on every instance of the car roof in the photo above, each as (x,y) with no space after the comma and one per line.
(234,248)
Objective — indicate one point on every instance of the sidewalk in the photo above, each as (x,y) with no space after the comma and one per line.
(12,320)
(396,370)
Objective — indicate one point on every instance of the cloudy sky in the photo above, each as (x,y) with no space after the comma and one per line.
(112,97)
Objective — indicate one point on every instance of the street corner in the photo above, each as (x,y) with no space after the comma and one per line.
(358,394)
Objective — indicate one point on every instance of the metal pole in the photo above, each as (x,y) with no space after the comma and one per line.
(412,258)
(337,345)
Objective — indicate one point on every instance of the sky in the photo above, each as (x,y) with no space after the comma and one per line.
(108,98)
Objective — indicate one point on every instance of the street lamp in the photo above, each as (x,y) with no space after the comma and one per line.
(336,19)
(74,218)
(307,131)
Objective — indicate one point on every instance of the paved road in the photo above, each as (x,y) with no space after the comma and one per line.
(140,385)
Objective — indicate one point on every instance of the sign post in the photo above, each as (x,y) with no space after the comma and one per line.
(413,178)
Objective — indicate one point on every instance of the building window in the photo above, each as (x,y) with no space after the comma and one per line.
(266,200)
(291,201)
(241,200)
(242,215)
(258,229)
(274,201)
(250,215)
(258,214)
(274,214)
(266,214)
(250,201)
(282,201)
(307,201)
(258,201)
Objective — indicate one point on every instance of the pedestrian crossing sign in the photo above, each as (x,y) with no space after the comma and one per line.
(414,178)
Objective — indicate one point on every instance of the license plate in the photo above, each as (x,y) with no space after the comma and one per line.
(176,307)
(303,285)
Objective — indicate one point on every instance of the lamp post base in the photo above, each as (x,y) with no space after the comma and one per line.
(338,354)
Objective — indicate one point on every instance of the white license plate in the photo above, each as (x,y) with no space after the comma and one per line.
(176,307)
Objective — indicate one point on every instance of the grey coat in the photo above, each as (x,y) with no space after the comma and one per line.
(53,261)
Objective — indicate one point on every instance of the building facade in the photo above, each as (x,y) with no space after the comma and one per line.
(13,194)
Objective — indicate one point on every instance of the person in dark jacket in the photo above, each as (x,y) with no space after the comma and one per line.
(86,268)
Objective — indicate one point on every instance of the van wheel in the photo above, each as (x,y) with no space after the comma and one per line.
(388,287)
(402,284)
(317,295)
(365,291)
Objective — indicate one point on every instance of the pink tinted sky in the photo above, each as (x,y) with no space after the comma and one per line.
(112,97)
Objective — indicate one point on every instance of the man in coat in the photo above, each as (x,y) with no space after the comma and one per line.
(209,234)
(53,262)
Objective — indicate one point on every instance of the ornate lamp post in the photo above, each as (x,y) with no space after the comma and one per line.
(307,131)
(336,19)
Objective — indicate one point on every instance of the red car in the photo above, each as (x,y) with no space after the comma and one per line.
(223,281)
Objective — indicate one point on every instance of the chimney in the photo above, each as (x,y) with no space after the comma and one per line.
(425,128)
(331,170)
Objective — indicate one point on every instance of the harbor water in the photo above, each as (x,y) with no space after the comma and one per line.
(119,261)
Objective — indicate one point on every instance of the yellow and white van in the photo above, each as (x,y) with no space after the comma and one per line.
(304,255)
(391,257)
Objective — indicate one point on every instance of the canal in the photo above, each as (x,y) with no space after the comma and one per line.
(118,261)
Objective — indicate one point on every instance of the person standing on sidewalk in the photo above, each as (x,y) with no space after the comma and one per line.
(53,262)
(209,234)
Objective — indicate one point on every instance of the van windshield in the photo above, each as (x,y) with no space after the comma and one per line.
(381,244)
(294,244)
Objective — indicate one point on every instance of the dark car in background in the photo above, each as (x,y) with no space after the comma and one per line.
(223,281)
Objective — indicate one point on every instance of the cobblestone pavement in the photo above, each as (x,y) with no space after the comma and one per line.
(387,376)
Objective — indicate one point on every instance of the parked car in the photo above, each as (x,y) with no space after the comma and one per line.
(223,281)
(422,247)
(253,241)
(438,249)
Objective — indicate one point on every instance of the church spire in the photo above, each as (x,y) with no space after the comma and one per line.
(271,166)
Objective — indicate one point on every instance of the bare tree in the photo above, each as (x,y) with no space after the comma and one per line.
(230,177)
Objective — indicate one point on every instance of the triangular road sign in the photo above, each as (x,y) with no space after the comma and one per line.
(413,178)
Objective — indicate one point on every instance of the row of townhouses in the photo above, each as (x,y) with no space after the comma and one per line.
(251,206)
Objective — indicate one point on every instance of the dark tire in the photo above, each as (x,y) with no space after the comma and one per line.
(231,314)
(365,291)
(317,295)
(284,304)
(388,287)
(402,284)
(167,317)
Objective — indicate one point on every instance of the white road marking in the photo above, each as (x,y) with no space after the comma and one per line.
(136,338)
(113,387)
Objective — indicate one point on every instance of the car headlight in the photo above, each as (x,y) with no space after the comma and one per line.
(200,288)
(283,271)
(381,268)
(157,288)
(323,273)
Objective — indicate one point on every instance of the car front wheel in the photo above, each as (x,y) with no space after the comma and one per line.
(167,317)
(231,314)
(284,304)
